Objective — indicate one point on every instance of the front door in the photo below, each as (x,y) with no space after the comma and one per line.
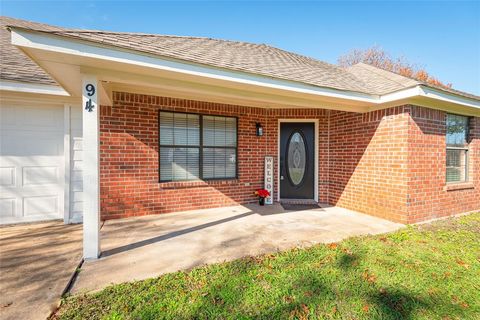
(297,145)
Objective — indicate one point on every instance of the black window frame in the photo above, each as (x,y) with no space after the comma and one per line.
(464,148)
(200,147)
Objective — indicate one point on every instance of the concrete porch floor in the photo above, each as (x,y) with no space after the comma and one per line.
(145,247)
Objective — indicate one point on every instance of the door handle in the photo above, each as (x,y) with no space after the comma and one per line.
(281,177)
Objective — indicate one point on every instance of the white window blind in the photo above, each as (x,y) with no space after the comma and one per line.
(195,146)
(219,152)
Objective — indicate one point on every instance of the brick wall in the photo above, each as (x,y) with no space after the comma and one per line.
(368,157)
(366,161)
(428,195)
(129,156)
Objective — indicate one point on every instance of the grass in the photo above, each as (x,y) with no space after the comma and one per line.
(430,271)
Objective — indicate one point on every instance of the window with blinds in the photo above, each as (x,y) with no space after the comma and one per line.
(196,147)
(457,148)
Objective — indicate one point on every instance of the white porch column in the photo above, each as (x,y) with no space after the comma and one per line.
(91,170)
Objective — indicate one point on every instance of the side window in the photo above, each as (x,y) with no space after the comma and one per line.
(457,148)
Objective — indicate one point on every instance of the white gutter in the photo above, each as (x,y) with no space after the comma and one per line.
(448,97)
(32,88)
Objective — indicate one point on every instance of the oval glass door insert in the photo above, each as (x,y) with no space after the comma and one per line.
(296,158)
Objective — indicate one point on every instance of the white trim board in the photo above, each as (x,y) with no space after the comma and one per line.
(316,156)
(33,88)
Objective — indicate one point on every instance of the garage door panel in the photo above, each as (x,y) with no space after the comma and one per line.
(40,175)
(32,163)
(7,176)
(47,118)
(39,118)
(29,144)
(41,205)
(7,208)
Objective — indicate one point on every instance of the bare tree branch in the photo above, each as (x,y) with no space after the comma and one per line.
(377,57)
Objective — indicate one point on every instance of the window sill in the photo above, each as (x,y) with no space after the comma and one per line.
(196,183)
(458,186)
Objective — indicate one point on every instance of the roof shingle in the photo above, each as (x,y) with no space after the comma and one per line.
(14,64)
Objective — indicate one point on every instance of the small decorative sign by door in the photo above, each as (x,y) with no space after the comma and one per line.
(269,179)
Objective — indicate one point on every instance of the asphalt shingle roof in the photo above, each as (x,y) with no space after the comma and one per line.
(14,64)
(252,58)
(381,82)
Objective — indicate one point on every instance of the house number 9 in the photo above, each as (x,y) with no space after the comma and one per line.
(90,89)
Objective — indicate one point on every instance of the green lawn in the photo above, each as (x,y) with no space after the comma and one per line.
(423,272)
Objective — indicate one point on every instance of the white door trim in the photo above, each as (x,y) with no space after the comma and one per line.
(315,165)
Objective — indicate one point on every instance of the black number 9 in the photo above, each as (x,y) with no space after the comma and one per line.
(90,89)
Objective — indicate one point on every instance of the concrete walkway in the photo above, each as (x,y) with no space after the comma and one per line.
(36,262)
(140,248)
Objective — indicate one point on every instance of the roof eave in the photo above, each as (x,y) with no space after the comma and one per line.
(83,52)
(432,98)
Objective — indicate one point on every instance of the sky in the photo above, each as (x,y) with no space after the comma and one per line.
(441,36)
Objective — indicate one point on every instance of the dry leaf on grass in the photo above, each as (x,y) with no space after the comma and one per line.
(333,246)
(370,277)
(463,264)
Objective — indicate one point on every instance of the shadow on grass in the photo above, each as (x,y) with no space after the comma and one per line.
(299,286)
(348,261)
(309,295)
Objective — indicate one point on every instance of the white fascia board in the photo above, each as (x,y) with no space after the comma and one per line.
(80,48)
(449,97)
(400,95)
(423,91)
(32,88)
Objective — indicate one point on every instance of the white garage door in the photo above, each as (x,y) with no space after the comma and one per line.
(31,163)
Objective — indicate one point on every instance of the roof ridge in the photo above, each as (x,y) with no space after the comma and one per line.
(307,57)
(67,30)
(133,34)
